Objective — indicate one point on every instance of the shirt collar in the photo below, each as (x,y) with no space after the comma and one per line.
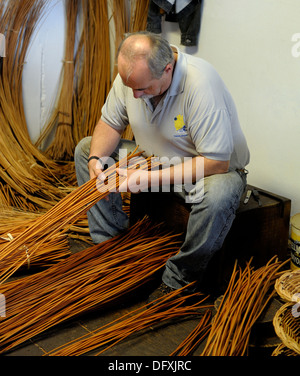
(179,75)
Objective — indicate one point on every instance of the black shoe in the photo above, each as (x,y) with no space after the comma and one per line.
(161,291)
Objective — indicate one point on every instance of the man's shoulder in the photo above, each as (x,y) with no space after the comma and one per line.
(202,74)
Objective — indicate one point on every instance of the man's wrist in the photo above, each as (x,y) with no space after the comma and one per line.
(94,157)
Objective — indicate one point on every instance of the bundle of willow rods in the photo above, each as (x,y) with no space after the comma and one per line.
(195,337)
(169,307)
(61,217)
(56,249)
(92,68)
(93,278)
(121,27)
(62,146)
(248,293)
(138,20)
(19,220)
(52,251)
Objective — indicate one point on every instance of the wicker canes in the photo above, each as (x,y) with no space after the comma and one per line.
(287,326)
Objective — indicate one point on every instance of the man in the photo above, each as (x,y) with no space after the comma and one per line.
(178,107)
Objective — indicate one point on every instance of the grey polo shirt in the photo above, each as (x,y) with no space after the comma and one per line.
(197,116)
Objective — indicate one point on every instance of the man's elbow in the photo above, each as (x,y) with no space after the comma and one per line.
(223,167)
(213,167)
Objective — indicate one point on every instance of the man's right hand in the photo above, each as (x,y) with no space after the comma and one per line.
(96,169)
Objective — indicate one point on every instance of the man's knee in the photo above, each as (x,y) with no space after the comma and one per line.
(82,148)
(225,192)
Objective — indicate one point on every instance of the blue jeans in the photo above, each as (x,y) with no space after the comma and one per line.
(106,218)
(209,222)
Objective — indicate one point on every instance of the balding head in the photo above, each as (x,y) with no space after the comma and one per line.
(154,50)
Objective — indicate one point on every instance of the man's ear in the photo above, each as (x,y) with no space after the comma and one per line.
(169,68)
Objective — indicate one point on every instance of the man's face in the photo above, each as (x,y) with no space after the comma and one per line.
(141,81)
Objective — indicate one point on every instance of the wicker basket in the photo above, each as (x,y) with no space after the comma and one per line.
(288,286)
(287,326)
(282,350)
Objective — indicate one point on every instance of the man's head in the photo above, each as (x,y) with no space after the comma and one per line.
(145,64)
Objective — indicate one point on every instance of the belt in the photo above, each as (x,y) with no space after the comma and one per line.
(243,170)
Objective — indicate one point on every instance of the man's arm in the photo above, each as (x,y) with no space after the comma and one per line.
(184,173)
(104,141)
(192,170)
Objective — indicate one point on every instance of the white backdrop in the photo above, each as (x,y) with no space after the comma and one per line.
(43,66)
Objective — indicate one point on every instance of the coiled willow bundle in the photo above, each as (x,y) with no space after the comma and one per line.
(169,307)
(28,179)
(248,293)
(59,219)
(93,278)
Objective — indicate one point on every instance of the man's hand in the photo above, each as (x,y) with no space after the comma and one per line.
(96,169)
(136,181)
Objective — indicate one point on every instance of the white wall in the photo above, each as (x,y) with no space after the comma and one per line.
(41,76)
(250,44)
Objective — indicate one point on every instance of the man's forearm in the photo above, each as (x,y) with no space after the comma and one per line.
(188,172)
(191,170)
(104,141)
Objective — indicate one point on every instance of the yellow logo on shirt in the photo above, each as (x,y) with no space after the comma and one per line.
(180,126)
(179,122)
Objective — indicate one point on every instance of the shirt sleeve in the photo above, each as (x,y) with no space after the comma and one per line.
(114,111)
(212,135)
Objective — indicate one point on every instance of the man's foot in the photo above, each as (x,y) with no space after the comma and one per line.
(162,290)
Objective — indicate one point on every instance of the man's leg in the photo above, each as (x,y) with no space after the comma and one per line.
(209,222)
(106,218)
